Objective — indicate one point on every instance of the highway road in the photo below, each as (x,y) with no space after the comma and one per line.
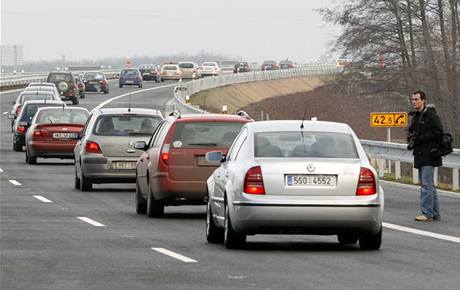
(56,237)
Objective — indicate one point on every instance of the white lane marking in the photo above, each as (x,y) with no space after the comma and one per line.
(90,221)
(4,113)
(43,199)
(422,233)
(175,255)
(14,182)
(1,170)
(131,93)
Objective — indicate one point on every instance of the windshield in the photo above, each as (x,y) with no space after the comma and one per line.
(170,67)
(306,144)
(126,125)
(93,76)
(205,134)
(29,111)
(209,64)
(33,97)
(60,77)
(59,115)
(129,72)
(186,65)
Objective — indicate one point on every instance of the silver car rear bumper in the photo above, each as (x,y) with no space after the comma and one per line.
(306,218)
(102,169)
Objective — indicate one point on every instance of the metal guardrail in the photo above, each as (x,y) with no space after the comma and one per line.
(396,152)
(23,80)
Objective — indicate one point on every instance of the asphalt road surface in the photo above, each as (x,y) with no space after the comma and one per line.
(56,237)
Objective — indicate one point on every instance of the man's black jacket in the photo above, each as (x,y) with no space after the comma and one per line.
(428,134)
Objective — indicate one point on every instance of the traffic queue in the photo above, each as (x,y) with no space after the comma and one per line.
(268,177)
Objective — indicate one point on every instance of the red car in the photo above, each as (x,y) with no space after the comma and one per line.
(173,170)
(54,132)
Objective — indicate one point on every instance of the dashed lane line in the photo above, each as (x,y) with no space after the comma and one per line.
(90,221)
(175,255)
(421,232)
(4,113)
(1,170)
(14,182)
(42,199)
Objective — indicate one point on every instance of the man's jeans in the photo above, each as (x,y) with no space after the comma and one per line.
(429,201)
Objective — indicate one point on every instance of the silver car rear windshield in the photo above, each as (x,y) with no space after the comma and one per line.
(170,67)
(59,77)
(304,145)
(205,134)
(125,125)
(58,115)
(33,97)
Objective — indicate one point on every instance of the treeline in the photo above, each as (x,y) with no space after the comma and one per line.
(407,45)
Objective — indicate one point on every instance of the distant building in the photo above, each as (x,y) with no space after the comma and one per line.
(11,55)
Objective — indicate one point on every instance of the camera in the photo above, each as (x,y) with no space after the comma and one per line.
(411,142)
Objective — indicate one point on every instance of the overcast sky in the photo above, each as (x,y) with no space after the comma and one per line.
(252,29)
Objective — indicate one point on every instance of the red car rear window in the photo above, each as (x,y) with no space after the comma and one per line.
(205,134)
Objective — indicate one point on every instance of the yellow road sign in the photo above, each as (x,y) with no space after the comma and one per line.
(391,119)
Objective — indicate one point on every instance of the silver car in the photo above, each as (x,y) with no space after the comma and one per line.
(105,152)
(293,177)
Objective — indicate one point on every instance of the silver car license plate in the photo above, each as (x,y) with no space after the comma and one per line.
(128,82)
(124,165)
(65,135)
(311,180)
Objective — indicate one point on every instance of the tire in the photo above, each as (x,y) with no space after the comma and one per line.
(106,92)
(214,234)
(82,96)
(232,240)
(120,86)
(140,86)
(155,208)
(347,239)
(141,203)
(85,183)
(17,147)
(76,183)
(30,159)
(75,101)
(371,242)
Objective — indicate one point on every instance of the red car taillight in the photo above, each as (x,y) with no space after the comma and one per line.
(366,182)
(253,181)
(103,82)
(21,129)
(164,155)
(92,147)
(139,78)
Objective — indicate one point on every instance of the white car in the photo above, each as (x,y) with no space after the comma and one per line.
(42,89)
(294,177)
(210,69)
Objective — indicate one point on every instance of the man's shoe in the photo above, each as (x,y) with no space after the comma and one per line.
(423,218)
(437,218)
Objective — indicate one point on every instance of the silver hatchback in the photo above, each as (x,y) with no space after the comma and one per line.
(105,152)
(293,177)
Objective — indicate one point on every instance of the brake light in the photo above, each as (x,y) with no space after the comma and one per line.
(366,182)
(138,78)
(92,147)
(21,129)
(253,181)
(38,133)
(164,155)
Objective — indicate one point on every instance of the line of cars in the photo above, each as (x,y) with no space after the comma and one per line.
(272,177)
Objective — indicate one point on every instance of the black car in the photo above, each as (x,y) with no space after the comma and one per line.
(150,72)
(241,67)
(286,64)
(24,120)
(96,82)
(66,85)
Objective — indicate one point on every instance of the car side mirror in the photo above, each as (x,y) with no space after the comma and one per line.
(140,145)
(215,156)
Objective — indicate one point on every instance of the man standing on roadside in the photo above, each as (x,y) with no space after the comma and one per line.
(425,134)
